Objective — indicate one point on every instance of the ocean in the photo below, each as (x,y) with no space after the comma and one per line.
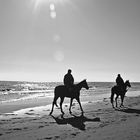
(17,90)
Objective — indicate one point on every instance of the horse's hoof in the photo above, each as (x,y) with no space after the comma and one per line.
(63,113)
(50,113)
(82,112)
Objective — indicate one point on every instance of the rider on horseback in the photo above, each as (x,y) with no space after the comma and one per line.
(120,82)
(69,80)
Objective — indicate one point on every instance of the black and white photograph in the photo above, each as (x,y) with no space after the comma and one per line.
(69,69)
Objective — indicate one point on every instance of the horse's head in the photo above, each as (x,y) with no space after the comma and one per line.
(127,83)
(84,84)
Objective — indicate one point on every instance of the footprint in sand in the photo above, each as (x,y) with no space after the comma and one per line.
(47,110)
(25,128)
(17,118)
(41,126)
(73,134)
(17,129)
(90,102)
(123,119)
(9,114)
(30,113)
(31,110)
(57,137)
(47,138)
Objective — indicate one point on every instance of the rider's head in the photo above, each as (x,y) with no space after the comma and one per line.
(69,71)
(119,75)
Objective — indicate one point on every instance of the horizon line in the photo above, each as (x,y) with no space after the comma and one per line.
(60,81)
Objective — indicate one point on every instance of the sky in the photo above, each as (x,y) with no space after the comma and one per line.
(97,39)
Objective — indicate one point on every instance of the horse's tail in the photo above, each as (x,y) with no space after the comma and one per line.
(112,94)
(55,97)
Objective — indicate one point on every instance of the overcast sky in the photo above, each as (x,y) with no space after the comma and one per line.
(41,39)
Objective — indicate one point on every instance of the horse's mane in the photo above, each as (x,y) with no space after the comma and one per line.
(81,82)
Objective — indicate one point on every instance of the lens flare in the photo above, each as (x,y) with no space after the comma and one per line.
(52,7)
(53,14)
(52,11)
(38,3)
(59,56)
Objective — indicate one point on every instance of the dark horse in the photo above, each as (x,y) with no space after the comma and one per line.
(119,92)
(62,92)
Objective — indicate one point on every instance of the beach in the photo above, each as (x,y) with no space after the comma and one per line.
(31,120)
(84,54)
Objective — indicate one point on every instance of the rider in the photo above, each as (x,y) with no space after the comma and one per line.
(69,80)
(120,81)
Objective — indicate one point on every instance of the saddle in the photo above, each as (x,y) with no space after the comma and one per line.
(70,89)
(120,88)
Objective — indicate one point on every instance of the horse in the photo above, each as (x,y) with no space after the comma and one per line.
(62,92)
(119,92)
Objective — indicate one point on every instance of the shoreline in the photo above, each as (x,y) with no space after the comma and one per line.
(23,103)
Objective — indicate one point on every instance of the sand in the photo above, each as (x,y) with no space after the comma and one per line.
(99,122)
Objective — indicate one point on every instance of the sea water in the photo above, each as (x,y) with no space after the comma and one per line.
(18,90)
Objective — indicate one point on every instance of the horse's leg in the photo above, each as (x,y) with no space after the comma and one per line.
(78,100)
(61,102)
(116,100)
(52,109)
(70,105)
(122,98)
(112,96)
(54,103)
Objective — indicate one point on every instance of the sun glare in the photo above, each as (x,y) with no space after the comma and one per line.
(51,3)
(37,3)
